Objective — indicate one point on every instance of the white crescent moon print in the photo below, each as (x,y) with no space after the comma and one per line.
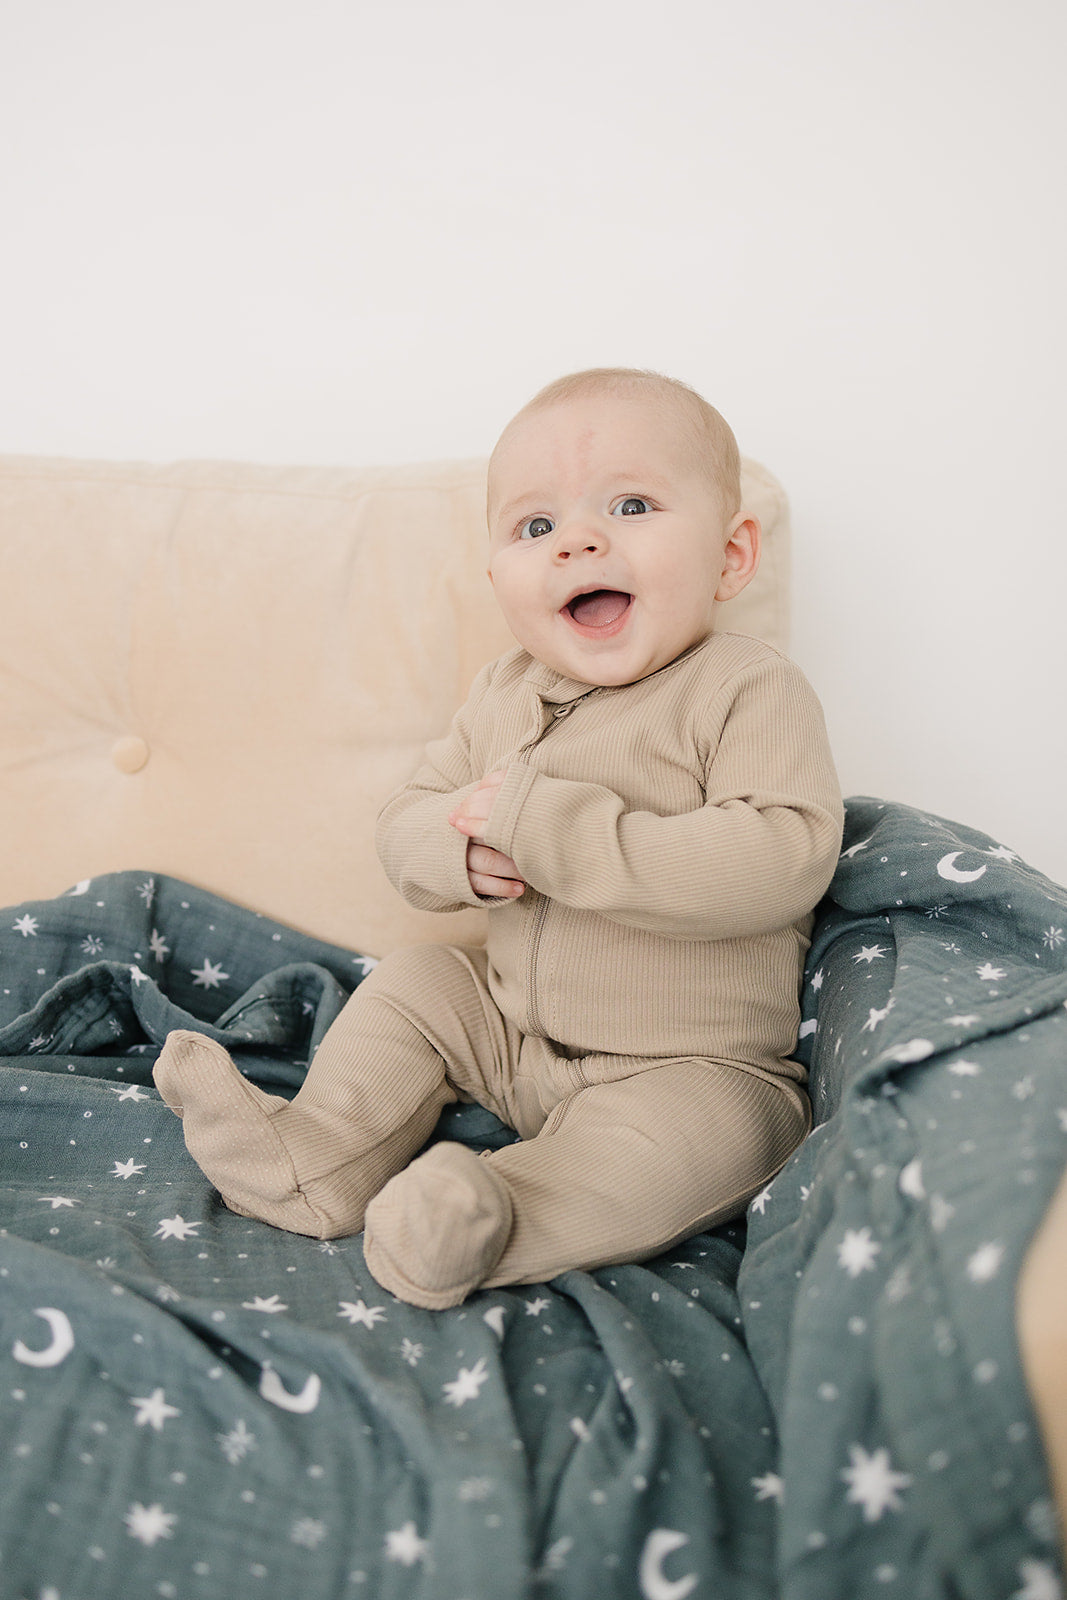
(655,1585)
(272,1389)
(947,869)
(61,1345)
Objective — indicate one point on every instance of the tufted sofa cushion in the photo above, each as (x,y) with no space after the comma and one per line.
(220,671)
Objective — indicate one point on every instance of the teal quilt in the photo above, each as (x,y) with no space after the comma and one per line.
(822,1399)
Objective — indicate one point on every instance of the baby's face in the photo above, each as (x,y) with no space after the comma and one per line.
(607,537)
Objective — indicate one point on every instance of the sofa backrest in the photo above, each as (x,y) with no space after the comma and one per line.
(219,671)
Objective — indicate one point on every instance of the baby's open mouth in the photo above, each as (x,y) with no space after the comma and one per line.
(600,608)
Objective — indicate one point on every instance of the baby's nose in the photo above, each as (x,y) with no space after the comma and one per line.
(578,537)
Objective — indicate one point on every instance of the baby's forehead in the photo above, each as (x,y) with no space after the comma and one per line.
(647,424)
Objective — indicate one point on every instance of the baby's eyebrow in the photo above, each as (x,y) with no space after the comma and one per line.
(520,500)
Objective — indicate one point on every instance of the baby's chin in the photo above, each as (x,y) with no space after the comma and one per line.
(600,672)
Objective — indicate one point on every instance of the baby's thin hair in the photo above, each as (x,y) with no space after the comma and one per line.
(712,436)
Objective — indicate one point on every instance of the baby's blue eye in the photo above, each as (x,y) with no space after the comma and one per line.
(632,506)
(536,528)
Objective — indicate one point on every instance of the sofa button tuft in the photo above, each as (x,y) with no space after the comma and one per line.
(129,753)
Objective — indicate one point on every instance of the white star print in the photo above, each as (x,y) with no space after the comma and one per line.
(869,953)
(989,973)
(759,1203)
(468,1384)
(259,1304)
(985,1263)
(914,1050)
(209,976)
(360,1312)
(769,1487)
(964,1069)
(857,1251)
(874,1016)
(149,1523)
(309,1532)
(58,1201)
(153,1410)
(158,945)
(961,1022)
(138,976)
(25,925)
(130,1092)
(405,1546)
(911,1180)
(555,1558)
(817,980)
(854,849)
(1040,1582)
(176,1228)
(899,1286)
(126,1169)
(534,1308)
(1002,853)
(236,1444)
(873,1484)
(475,1489)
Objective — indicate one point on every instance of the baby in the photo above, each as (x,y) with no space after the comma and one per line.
(649,809)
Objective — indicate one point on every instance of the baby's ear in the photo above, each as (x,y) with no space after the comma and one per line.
(740,555)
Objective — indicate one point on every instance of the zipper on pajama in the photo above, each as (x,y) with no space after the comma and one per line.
(559,714)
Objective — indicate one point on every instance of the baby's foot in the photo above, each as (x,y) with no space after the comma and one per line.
(230,1132)
(437,1229)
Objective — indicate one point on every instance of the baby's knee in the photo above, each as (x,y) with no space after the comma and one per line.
(421,970)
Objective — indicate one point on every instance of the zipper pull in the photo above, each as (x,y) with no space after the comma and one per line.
(572,705)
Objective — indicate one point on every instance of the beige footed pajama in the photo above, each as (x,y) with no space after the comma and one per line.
(632,1017)
(619,1156)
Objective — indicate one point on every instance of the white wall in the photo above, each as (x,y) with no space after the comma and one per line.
(343,231)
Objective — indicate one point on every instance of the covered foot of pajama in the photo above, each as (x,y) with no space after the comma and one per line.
(231,1131)
(438,1228)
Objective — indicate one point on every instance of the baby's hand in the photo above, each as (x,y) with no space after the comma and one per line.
(472,813)
(491,873)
